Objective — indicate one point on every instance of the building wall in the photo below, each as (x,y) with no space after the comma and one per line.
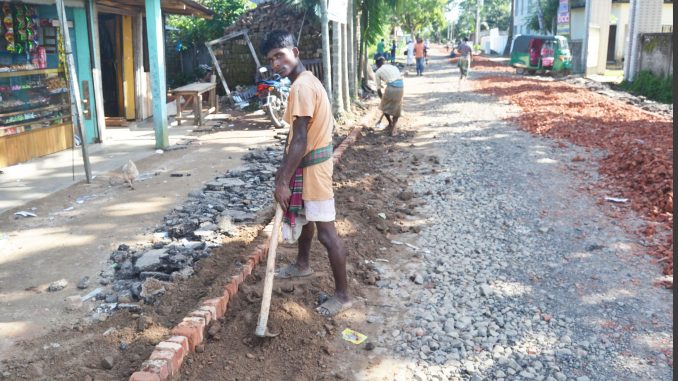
(656,53)
(619,15)
(577,23)
(667,14)
(521,15)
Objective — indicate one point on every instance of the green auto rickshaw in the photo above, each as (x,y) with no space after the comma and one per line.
(541,54)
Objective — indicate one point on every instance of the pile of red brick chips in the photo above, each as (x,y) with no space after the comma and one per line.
(639,145)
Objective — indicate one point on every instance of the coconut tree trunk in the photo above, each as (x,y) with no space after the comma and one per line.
(325,36)
(345,48)
(351,44)
(507,48)
(540,18)
(361,49)
(337,97)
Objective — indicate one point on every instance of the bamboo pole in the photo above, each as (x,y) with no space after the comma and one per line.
(76,100)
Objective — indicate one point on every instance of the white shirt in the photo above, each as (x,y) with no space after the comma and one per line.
(387,73)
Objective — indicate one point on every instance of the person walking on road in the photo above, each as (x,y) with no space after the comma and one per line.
(393,52)
(303,182)
(392,98)
(410,53)
(420,55)
(380,49)
(465,52)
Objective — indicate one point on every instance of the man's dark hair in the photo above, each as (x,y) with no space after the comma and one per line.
(380,59)
(277,39)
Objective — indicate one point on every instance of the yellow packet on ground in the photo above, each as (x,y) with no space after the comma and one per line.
(353,336)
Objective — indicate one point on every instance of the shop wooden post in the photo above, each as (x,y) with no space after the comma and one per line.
(156,53)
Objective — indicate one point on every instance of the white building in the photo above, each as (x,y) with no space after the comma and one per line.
(522,10)
(619,26)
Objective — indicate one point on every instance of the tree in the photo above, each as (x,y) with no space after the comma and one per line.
(497,14)
(337,70)
(414,16)
(509,41)
(494,13)
(544,18)
(195,31)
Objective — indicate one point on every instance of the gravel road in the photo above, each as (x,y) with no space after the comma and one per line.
(517,274)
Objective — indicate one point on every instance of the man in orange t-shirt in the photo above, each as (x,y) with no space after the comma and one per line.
(303,183)
(420,55)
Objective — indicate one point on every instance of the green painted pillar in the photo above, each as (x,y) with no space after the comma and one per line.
(156,55)
(84,69)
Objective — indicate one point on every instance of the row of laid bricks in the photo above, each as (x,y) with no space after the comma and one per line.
(167,357)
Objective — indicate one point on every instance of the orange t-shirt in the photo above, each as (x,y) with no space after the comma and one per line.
(419,50)
(308,98)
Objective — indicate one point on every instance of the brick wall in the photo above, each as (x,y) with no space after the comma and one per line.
(234,56)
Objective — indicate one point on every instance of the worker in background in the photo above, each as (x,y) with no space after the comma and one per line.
(420,55)
(392,98)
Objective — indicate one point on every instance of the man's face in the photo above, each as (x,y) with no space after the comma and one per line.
(283,60)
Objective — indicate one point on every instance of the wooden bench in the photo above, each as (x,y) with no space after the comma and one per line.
(195,92)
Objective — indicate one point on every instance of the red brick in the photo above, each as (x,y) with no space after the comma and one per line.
(181,340)
(159,367)
(144,376)
(226,296)
(177,348)
(246,271)
(206,316)
(232,289)
(219,305)
(198,321)
(252,261)
(192,331)
(238,279)
(170,358)
(213,310)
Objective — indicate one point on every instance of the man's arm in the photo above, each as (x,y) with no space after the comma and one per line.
(377,78)
(291,161)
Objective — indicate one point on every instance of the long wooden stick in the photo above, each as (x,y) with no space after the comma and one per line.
(270,272)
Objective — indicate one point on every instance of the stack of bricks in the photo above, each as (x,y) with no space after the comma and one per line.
(234,56)
(166,359)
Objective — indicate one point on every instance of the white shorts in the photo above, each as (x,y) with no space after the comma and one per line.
(314,211)
(320,211)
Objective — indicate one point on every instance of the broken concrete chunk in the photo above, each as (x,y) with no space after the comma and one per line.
(57,285)
(150,260)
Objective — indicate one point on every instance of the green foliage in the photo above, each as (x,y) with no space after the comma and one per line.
(494,14)
(497,14)
(651,86)
(415,16)
(550,9)
(196,31)
(374,19)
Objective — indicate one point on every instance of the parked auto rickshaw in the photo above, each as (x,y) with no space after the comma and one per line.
(541,54)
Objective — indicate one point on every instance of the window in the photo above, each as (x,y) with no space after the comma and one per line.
(667,28)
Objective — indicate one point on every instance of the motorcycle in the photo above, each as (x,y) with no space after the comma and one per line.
(272,91)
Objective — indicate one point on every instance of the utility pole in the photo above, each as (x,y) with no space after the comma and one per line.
(76,102)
